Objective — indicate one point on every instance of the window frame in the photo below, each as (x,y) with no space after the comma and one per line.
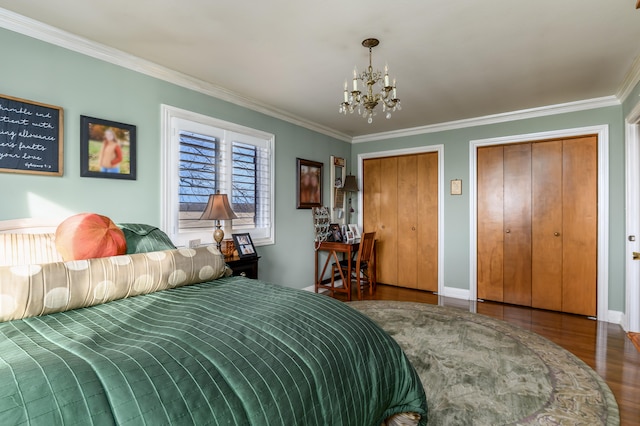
(170,179)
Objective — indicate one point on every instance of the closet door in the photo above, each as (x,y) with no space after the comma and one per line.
(400,203)
(427,223)
(408,221)
(517,224)
(371,190)
(490,237)
(547,225)
(387,228)
(579,276)
(504,223)
(543,197)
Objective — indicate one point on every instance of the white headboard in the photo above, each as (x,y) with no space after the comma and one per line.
(29,226)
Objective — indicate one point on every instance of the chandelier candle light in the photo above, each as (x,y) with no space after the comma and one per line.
(369,100)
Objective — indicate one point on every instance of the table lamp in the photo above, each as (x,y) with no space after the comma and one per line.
(218,209)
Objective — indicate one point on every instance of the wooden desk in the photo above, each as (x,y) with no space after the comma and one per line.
(347,250)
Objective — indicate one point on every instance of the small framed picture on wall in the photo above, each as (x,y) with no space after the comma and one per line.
(308,184)
(456,187)
(107,149)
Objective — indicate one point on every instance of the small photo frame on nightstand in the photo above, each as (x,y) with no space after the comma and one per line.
(244,245)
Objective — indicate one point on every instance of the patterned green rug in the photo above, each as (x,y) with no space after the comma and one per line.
(478,370)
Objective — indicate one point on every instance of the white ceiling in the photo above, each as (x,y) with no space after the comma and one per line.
(453,60)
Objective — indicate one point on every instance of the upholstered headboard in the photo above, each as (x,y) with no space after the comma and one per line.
(29,226)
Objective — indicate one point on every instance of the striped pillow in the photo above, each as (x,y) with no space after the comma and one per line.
(25,249)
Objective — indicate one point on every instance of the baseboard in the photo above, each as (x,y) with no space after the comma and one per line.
(615,317)
(456,293)
(312,288)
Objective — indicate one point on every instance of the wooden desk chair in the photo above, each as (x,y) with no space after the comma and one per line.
(361,273)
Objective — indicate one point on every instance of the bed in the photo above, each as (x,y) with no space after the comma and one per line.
(222,350)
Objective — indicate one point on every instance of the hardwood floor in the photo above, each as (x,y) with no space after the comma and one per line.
(605,347)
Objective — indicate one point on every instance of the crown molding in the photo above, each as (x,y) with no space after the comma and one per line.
(494,119)
(630,81)
(38,30)
(47,33)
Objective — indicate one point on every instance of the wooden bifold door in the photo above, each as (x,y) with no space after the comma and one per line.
(400,200)
(537,224)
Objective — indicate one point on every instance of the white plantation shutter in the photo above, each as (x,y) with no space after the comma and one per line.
(251,183)
(206,155)
(199,176)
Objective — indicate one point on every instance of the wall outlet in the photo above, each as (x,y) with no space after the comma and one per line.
(194,243)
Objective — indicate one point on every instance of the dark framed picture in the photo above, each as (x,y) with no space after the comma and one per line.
(30,137)
(107,149)
(244,245)
(308,183)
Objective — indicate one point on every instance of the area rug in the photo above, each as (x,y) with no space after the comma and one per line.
(478,370)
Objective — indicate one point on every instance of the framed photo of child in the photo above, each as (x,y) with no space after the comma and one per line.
(107,149)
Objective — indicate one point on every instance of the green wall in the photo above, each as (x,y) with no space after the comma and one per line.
(456,166)
(41,72)
(82,85)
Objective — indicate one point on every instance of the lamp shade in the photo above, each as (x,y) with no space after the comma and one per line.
(350,184)
(218,208)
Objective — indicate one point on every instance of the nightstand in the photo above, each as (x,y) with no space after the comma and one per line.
(245,267)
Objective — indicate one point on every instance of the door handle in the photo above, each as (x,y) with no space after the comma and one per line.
(636,255)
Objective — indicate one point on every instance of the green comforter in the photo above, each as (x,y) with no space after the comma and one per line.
(231,351)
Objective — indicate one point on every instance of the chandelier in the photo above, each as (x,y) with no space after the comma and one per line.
(366,102)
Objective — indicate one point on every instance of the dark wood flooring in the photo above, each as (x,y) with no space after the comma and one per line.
(605,347)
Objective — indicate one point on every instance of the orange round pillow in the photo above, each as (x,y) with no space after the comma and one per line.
(89,235)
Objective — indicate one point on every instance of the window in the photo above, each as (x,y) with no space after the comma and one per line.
(202,155)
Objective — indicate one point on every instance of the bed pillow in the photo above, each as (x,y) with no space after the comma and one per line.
(88,236)
(33,290)
(143,238)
